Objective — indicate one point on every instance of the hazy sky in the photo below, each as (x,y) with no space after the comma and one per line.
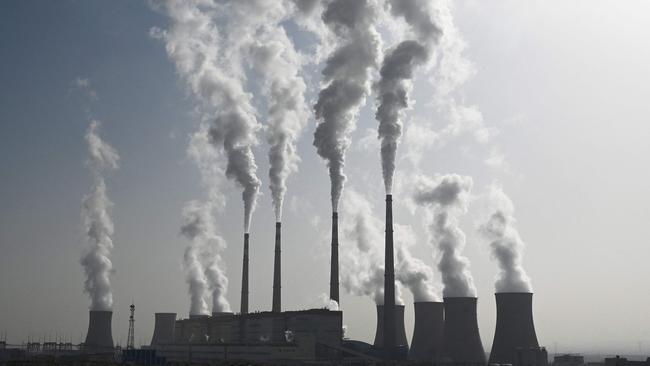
(561,86)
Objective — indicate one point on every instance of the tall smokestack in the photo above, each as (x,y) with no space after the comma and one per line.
(100,335)
(277,269)
(461,341)
(515,328)
(389,281)
(427,335)
(164,327)
(244,278)
(400,332)
(334,262)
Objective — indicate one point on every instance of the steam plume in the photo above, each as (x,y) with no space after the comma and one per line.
(505,243)
(447,198)
(202,262)
(274,56)
(194,43)
(363,266)
(345,79)
(98,223)
(411,271)
(395,77)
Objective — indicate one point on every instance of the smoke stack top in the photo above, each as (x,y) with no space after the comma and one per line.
(346,82)
(217,84)
(446,198)
(396,74)
(507,247)
(98,223)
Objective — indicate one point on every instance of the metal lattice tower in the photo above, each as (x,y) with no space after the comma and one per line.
(130,341)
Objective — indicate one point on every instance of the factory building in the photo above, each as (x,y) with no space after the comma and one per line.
(290,335)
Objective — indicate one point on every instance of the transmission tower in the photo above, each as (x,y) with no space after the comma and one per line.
(130,342)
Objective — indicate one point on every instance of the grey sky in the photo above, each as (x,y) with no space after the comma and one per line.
(565,84)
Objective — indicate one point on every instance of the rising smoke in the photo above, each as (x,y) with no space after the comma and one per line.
(273,55)
(396,74)
(446,198)
(362,263)
(346,82)
(211,67)
(505,243)
(97,221)
(410,271)
(202,263)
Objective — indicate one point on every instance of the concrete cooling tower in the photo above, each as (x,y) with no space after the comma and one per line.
(100,334)
(427,334)
(461,341)
(400,332)
(515,330)
(163,331)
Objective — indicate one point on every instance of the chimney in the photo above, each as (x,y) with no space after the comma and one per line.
(100,334)
(461,341)
(390,325)
(515,329)
(334,263)
(244,278)
(427,335)
(277,270)
(163,330)
(400,332)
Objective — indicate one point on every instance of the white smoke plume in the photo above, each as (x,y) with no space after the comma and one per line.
(396,74)
(98,223)
(274,56)
(446,198)
(507,247)
(362,262)
(209,61)
(202,262)
(345,82)
(362,249)
(412,272)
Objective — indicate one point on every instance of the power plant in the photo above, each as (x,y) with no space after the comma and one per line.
(444,333)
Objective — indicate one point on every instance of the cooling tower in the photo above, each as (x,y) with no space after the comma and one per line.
(461,341)
(244,278)
(515,329)
(163,330)
(277,270)
(390,323)
(334,263)
(400,332)
(100,334)
(427,335)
